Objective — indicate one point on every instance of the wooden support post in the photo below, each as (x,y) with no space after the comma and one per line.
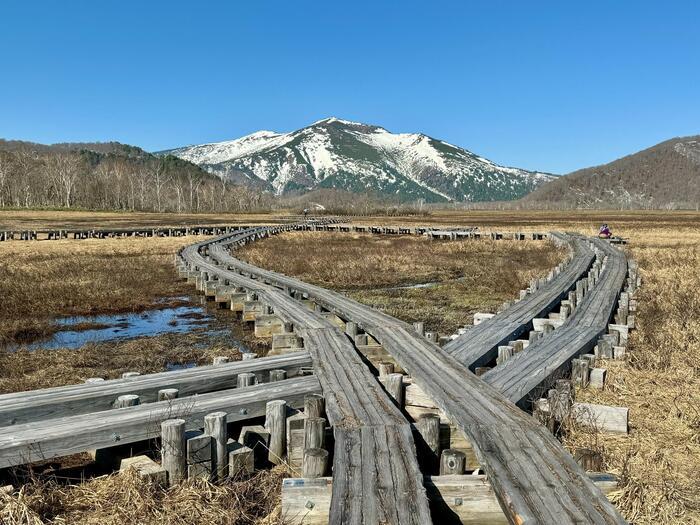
(579,372)
(246,379)
(385,369)
(504,353)
(167,394)
(597,378)
(351,329)
(199,456)
(393,383)
(314,405)
(314,432)
(428,426)
(419,327)
(432,337)
(220,360)
(315,462)
(241,460)
(276,425)
(277,375)
(452,462)
(93,380)
(257,438)
(589,460)
(127,400)
(173,449)
(215,426)
(127,375)
(605,350)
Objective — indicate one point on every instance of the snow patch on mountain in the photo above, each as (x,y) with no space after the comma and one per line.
(358,157)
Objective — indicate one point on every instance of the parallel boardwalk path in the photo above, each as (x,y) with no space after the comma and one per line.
(376,478)
(534,478)
(479,345)
(376,473)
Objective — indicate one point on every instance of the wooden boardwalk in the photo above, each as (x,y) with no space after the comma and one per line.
(375,466)
(479,346)
(529,373)
(62,436)
(49,403)
(534,478)
(376,477)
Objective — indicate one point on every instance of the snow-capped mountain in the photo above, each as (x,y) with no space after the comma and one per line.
(334,153)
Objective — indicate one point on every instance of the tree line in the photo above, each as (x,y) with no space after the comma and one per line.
(122,180)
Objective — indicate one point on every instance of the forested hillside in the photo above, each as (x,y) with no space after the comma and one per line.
(113,176)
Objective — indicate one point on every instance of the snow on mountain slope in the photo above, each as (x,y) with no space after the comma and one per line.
(335,153)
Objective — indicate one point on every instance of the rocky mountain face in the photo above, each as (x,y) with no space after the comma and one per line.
(351,156)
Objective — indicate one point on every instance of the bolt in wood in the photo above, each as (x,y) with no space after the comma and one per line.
(452,462)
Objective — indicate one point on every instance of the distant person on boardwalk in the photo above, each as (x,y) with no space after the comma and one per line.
(604,232)
(306,212)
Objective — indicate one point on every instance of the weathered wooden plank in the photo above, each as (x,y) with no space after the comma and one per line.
(556,494)
(35,405)
(47,439)
(453,499)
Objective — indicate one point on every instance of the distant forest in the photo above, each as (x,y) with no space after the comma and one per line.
(114,176)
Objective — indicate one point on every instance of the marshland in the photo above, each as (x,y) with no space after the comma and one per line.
(656,462)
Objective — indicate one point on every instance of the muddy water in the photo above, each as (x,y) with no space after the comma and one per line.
(75,332)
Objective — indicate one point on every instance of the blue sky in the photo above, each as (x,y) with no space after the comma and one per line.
(546,85)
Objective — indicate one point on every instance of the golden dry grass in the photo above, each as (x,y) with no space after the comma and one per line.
(29,370)
(468,276)
(124,498)
(37,219)
(46,279)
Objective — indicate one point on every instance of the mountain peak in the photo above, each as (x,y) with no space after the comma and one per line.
(357,157)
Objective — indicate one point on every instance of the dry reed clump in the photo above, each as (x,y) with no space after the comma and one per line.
(28,370)
(125,498)
(465,276)
(46,279)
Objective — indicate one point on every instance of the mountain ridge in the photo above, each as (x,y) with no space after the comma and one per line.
(666,174)
(357,157)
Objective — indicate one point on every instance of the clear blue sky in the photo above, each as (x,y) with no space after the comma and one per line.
(546,85)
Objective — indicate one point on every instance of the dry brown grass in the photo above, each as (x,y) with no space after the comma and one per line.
(124,498)
(35,219)
(659,460)
(43,280)
(471,275)
(28,370)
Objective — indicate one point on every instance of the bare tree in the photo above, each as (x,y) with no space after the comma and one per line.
(64,169)
(160,180)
